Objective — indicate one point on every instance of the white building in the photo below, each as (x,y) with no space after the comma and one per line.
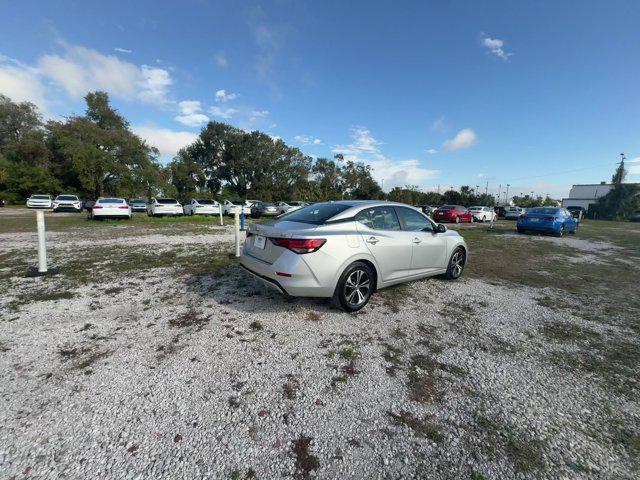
(585,195)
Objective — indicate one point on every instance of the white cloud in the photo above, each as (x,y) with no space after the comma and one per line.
(164,139)
(21,83)
(634,169)
(123,50)
(365,148)
(216,111)
(464,139)
(80,70)
(223,96)
(432,151)
(259,115)
(305,140)
(191,113)
(221,60)
(155,84)
(495,46)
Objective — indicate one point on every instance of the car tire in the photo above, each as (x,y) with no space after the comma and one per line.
(456,264)
(356,282)
(561,232)
(521,230)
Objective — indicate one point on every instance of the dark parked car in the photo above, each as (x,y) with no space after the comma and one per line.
(426,209)
(635,216)
(263,209)
(500,210)
(1,202)
(138,205)
(452,213)
(578,212)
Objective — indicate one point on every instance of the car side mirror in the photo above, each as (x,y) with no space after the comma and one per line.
(441,228)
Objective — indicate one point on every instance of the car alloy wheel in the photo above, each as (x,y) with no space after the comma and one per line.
(561,232)
(456,264)
(355,287)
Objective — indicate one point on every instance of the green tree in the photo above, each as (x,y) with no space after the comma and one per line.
(327,182)
(357,182)
(97,154)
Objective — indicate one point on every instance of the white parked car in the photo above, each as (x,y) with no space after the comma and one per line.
(39,201)
(229,207)
(482,214)
(159,207)
(110,207)
(68,203)
(201,206)
(284,207)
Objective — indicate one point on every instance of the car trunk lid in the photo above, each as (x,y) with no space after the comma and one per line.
(266,250)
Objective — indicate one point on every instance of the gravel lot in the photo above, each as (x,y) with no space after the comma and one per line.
(151,355)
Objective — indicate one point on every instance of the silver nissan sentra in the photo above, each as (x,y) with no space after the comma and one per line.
(346,250)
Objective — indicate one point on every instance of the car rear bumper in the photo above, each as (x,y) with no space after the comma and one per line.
(158,212)
(110,213)
(207,211)
(300,282)
(138,209)
(539,228)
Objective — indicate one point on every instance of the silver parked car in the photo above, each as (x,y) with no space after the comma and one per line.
(513,213)
(346,250)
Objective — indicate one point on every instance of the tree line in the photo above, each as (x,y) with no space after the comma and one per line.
(97,154)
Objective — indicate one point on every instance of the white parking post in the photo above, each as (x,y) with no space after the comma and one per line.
(42,247)
(492,218)
(221,221)
(237,230)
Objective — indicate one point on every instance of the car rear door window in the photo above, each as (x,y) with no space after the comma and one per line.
(414,221)
(379,218)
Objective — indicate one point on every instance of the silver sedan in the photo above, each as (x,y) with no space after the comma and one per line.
(345,250)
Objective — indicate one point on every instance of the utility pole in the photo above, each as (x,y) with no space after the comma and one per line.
(486,188)
(499,193)
(438,189)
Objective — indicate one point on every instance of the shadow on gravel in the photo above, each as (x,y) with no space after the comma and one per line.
(232,286)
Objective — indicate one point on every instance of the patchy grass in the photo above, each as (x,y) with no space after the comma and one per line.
(425,379)
(501,440)
(190,318)
(393,356)
(423,427)
(313,316)
(256,326)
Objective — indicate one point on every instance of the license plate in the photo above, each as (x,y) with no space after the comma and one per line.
(259,241)
(534,220)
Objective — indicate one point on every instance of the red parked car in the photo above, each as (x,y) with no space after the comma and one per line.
(452,213)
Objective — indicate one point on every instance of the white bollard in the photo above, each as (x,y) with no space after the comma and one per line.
(42,247)
(220,210)
(237,230)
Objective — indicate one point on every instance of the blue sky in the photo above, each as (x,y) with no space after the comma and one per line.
(536,94)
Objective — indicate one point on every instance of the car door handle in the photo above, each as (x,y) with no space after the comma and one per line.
(416,240)
(372,240)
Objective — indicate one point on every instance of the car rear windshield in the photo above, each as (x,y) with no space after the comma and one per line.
(138,200)
(315,214)
(545,211)
(111,200)
(166,201)
(447,207)
(294,204)
(205,201)
(67,197)
(237,202)
(476,208)
(267,204)
(40,197)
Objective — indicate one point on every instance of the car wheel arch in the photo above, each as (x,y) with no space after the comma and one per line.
(368,260)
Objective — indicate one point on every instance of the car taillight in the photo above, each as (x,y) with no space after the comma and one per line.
(521,216)
(300,245)
(124,206)
(553,219)
(97,206)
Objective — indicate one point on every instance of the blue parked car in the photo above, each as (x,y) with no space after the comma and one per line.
(548,220)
